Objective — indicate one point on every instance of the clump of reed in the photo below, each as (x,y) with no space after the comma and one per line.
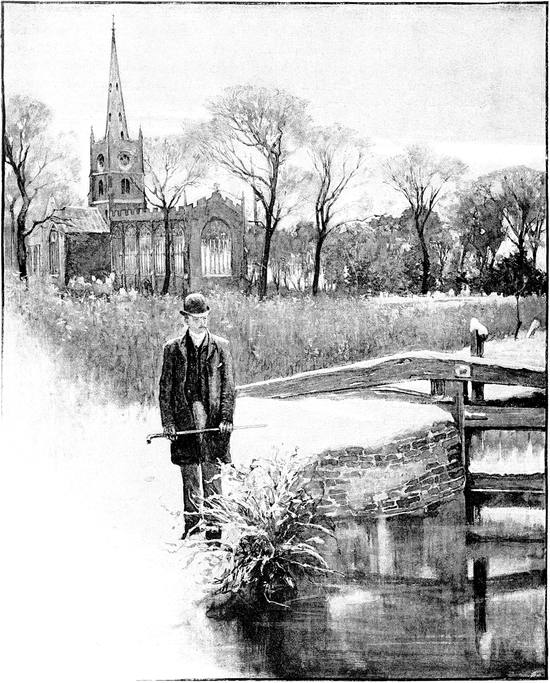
(271,537)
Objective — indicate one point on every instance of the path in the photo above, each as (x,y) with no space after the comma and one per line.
(92,593)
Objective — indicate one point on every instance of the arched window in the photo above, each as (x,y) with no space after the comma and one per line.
(179,254)
(100,161)
(109,116)
(122,135)
(110,87)
(120,117)
(125,186)
(54,252)
(216,250)
(100,188)
(117,86)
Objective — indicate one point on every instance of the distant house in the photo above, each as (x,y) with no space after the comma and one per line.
(76,243)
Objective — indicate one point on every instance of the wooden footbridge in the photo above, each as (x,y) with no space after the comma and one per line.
(457,383)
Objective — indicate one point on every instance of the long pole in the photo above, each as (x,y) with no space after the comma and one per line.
(162,435)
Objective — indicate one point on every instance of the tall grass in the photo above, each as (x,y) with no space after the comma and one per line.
(117,341)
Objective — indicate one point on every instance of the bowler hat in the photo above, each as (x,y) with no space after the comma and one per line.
(195,304)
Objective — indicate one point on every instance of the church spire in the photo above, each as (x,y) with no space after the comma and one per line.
(116,126)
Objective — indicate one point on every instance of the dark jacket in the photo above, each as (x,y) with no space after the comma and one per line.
(175,409)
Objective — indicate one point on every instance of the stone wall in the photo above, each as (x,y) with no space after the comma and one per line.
(411,473)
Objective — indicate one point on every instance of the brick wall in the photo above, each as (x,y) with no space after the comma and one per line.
(410,473)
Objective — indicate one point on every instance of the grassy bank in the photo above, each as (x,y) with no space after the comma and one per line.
(117,342)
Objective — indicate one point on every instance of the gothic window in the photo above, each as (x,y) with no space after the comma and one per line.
(158,256)
(54,253)
(130,252)
(117,86)
(125,186)
(124,160)
(100,188)
(34,258)
(120,117)
(109,116)
(122,135)
(116,251)
(145,255)
(216,250)
(100,161)
(179,254)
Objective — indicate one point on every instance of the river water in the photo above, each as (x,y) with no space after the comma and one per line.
(421,597)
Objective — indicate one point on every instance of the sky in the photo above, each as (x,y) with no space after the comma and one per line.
(467,80)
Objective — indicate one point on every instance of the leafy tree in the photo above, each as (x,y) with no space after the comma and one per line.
(172,164)
(422,179)
(281,258)
(347,257)
(514,276)
(302,246)
(338,156)
(38,166)
(520,193)
(479,221)
(253,133)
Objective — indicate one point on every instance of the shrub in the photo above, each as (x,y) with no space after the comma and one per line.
(271,536)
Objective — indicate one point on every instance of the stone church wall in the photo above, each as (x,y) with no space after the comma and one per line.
(133,267)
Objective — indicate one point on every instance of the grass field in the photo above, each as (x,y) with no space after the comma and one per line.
(115,345)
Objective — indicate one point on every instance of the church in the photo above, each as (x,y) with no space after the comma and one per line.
(119,233)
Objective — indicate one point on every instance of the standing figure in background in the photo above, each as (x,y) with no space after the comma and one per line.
(197,391)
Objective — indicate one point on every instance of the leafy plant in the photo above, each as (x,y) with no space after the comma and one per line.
(271,535)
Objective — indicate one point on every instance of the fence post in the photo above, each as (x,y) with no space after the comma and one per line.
(478,335)
(437,387)
(456,390)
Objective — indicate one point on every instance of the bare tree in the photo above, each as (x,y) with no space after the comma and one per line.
(37,166)
(338,156)
(172,164)
(252,134)
(422,179)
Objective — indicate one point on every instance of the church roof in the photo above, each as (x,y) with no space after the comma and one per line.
(80,219)
(115,125)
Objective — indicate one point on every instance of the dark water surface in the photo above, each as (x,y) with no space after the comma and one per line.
(421,597)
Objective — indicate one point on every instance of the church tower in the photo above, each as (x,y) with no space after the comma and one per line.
(116,162)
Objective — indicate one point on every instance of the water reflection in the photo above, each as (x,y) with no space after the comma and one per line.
(502,451)
(419,598)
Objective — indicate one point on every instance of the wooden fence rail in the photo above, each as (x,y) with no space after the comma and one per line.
(450,376)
